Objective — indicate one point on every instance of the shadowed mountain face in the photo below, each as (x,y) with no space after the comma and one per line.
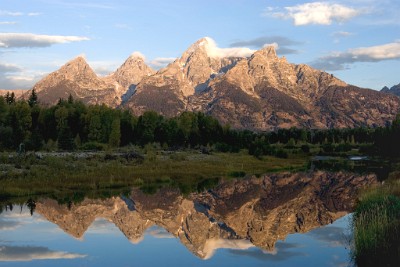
(266,92)
(241,213)
(76,78)
(261,92)
(394,90)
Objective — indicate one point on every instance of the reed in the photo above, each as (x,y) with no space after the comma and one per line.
(376,226)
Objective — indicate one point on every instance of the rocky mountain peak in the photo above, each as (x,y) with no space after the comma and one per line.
(268,51)
(132,71)
(137,55)
(191,72)
(77,68)
(76,78)
(201,61)
(394,90)
(201,44)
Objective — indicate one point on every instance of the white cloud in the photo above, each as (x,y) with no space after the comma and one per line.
(341,34)
(6,68)
(341,60)
(11,14)
(9,225)
(15,77)
(19,40)
(212,245)
(8,22)
(158,232)
(380,52)
(214,51)
(275,45)
(321,13)
(18,81)
(33,14)
(10,253)
(160,62)
(138,54)
(282,43)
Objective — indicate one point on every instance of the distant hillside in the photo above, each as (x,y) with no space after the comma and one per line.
(17,92)
(394,90)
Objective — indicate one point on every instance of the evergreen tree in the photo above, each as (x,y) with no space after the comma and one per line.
(32,101)
(10,98)
(20,120)
(95,128)
(65,141)
(64,138)
(115,135)
(70,99)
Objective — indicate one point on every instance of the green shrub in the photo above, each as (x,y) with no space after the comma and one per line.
(376,230)
(280,153)
(94,146)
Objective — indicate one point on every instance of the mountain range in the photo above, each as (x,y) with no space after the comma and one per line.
(395,90)
(260,92)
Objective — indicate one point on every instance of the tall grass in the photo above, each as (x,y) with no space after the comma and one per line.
(376,227)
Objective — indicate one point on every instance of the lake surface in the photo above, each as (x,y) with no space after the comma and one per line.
(276,220)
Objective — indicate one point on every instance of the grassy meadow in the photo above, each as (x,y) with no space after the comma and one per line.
(108,172)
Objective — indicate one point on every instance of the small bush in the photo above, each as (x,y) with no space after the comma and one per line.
(237,174)
(280,153)
(305,148)
(94,146)
(328,148)
(178,156)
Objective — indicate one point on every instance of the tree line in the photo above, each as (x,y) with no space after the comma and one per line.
(71,125)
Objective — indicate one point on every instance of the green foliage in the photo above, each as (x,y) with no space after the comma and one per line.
(376,227)
(92,146)
(65,140)
(72,125)
(33,99)
(58,174)
(280,153)
(115,135)
(305,148)
(20,120)
(387,141)
(328,148)
(10,98)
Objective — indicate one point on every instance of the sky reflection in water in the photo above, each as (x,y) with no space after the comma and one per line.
(238,223)
(27,240)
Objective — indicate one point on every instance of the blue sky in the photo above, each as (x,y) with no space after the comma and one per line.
(356,40)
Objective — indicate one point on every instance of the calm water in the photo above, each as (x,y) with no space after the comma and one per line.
(276,220)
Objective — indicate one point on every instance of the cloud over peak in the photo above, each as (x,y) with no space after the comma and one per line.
(282,43)
(160,62)
(214,51)
(30,40)
(320,13)
(138,54)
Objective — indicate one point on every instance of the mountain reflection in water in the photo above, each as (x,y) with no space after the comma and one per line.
(236,214)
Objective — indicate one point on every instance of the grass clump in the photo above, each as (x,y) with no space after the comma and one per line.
(376,227)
